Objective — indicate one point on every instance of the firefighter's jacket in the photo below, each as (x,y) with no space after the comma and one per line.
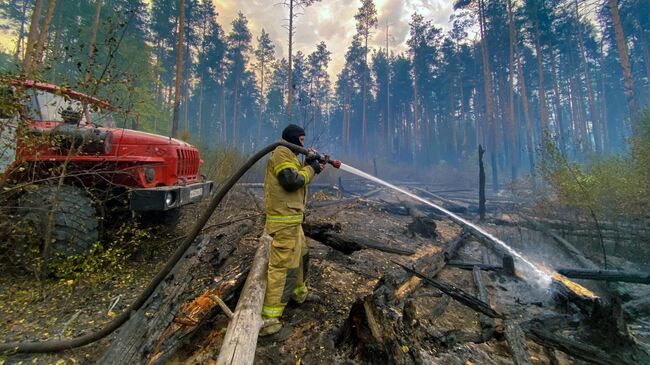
(285,187)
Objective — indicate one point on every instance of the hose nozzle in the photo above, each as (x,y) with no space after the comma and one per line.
(324,158)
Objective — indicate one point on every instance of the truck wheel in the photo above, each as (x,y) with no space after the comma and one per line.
(75,227)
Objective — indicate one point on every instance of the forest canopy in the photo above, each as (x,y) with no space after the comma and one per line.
(505,74)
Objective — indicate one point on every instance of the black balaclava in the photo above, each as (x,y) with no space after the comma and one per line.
(292,134)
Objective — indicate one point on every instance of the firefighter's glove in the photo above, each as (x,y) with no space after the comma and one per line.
(317,166)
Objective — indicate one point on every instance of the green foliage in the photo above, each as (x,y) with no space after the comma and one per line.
(103,257)
(221,163)
(616,186)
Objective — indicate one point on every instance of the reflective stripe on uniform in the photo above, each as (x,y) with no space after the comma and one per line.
(272,312)
(285,165)
(294,218)
(305,175)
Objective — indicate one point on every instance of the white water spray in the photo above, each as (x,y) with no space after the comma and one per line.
(540,276)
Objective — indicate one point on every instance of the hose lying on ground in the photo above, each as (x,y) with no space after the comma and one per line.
(60,345)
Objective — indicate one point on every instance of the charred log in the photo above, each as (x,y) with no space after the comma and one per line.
(456,293)
(606,275)
(577,349)
(241,336)
(487,323)
(430,264)
(175,311)
(516,343)
(331,235)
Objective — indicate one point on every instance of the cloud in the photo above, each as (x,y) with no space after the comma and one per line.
(332,21)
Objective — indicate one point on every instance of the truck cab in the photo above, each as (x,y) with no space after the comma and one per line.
(61,132)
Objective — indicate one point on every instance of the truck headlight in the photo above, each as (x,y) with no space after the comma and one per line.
(170,198)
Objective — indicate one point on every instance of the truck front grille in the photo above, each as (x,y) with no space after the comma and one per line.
(188,163)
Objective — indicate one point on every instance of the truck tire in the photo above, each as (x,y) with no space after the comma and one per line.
(75,227)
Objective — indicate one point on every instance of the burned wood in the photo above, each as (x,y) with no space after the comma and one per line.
(136,339)
(422,224)
(606,275)
(566,245)
(516,343)
(577,349)
(456,293)
(330,235)
(156,331)
(451,205)
(509,265)
(371,333)
(440,306)
(466,265)
(430,264)
(487,323)
(194,313)
(326,203)
(240,340)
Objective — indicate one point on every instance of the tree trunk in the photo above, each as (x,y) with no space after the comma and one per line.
(558,105)
(259,125)
(593,115)
(199,119)
(179,68)
(644,40)
(57,36)
(364,137)
(511,94)
(235,111)
(21,33)
(42,36)
(224,122)
(487,88)
(529,127)
(92,41)
(289,75)
(416,108)
(625,61)
(32,39)
(603,97)
(543,110)
(481,184)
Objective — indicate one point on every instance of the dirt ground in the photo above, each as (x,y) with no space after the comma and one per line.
(314,331)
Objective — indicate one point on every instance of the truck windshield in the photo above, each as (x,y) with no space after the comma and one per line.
(47,106)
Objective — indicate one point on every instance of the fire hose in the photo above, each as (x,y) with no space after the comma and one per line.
(60,345)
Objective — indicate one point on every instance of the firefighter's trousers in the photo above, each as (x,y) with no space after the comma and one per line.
(288,262)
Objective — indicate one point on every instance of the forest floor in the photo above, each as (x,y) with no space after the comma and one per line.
(430,327)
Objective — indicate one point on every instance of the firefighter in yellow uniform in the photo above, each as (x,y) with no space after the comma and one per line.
(285,188)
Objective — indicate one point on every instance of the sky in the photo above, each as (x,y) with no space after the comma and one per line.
(332,21)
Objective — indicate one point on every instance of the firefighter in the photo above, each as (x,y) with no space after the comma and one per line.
(285,189)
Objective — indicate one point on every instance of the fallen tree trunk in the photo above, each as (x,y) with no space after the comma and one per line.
(451,205)
(516,343)
(566,245)
(155,332)
(458,294)
(241,336)
(430,263)
(326,203)
(136,339)
(606,275)
(466,265)
(579,350)
(487,323)
(331,235)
